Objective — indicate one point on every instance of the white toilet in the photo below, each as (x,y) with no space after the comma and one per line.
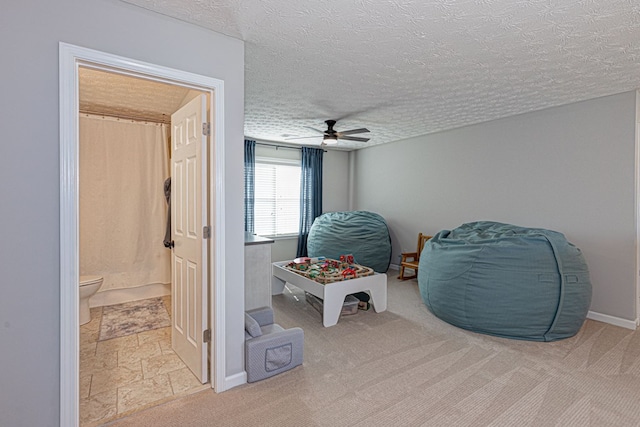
(89,285)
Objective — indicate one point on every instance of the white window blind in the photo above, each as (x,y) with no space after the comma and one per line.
(277,197)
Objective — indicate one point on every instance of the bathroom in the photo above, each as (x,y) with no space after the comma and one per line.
(126,356)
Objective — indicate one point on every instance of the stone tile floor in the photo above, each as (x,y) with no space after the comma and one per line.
(126,374)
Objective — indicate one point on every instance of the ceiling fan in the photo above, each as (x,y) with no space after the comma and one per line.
(331,136)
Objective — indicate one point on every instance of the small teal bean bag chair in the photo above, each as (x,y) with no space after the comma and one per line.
(363,234)
(504,280)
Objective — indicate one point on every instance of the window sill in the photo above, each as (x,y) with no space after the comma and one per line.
(283,237)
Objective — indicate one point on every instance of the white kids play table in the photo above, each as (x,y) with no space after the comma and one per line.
(332,293)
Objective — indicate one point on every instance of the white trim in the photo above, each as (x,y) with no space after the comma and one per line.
(118,296)
(612,320)
(69,298)
(637,200)
(70,57)
(394,267)
(216,256)
(206,304)
(235,380)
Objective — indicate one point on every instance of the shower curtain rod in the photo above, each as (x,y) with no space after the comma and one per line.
(125,117)
(281,146)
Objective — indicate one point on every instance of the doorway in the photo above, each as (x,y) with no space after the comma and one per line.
(127,359)
(71,58)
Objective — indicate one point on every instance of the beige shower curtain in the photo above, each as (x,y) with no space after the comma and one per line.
(123,211)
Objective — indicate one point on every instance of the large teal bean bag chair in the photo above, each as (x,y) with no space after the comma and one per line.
(363,234)
(504,280)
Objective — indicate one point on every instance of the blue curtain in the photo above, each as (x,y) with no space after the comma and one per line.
(310,194)
(249,184)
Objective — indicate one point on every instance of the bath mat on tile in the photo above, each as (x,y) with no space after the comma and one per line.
(133,317)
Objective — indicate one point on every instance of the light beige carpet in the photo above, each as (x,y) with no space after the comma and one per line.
(405,367)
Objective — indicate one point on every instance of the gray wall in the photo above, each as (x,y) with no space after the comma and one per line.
(335,181)
(570,169)
(29,188)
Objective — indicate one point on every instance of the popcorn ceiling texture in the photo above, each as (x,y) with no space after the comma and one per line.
(405,68)
(125,96)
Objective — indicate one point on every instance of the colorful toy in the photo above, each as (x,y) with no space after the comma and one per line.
(329,270)
(349,273)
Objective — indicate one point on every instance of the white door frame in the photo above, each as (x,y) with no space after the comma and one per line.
(637,205)
(71,57)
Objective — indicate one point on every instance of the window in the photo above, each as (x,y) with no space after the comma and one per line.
(277,197)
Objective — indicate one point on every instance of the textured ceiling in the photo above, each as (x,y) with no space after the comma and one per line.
(117,95)
(404,68)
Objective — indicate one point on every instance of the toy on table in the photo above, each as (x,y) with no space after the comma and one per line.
(304,263)
(324,270)
(349,273)
(346,261)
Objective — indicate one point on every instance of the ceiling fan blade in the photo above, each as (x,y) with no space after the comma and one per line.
(352,131)
(303,137)
(353,138)
(317,130)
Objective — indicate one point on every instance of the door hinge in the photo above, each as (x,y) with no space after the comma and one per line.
(206,129)
(206,232)
(206,335)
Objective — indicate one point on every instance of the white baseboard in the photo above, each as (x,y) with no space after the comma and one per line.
(612,320)
(234,381)
(118,296)
(394,267)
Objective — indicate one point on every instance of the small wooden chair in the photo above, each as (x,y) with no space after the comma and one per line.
(411,259)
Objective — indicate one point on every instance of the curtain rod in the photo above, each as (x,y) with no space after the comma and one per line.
(281,146)
(125,117)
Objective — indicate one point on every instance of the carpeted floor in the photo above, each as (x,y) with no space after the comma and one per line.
(405,367)
(133,317)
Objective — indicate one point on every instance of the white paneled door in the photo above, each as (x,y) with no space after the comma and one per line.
(188,217)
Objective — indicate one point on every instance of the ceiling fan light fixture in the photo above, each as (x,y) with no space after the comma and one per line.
(330,139)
